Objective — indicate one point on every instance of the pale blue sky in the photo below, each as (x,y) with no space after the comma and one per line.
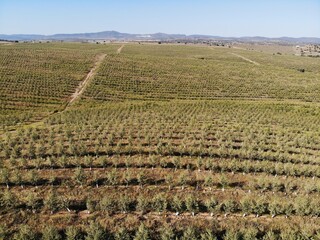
(270,18)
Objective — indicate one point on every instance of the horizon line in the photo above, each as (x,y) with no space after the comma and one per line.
(194,34)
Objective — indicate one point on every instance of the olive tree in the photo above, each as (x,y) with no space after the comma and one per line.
(79,176)
(73,233)
(33,177)
(8,199)
(124,203)
(177,205)
(142,204)
(107,205)
(24,233)
(142,233)
(51,202)
(32,201)
(167,233)
(208,235)
(160,203)
(95,232)
(190,234)
(5,176)
(3,232)
(122,234)
(50,233)
(112,177)
(192,204)
(211,205)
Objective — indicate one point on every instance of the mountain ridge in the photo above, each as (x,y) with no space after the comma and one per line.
(115,35)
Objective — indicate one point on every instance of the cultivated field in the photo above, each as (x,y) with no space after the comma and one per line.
(148,141)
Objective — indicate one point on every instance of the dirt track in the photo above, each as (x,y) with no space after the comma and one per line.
(85,82)
(120,49)
(246,59)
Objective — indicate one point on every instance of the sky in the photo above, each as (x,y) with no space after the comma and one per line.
(228,18)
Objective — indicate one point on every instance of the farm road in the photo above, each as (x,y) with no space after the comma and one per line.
(120,49)
(246,59)
(80,89)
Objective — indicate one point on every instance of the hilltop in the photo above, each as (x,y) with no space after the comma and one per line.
(114,35)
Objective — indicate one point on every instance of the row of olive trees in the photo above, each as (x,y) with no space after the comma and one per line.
(213,164)
(40,144)
(111,177)
(82,148)
(94,231)
(142,177)
(161,203)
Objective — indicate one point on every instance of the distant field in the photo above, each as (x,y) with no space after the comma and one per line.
(165,142)
(185,72)
(268,48)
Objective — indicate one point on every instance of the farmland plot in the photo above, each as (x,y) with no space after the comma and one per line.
(171,142)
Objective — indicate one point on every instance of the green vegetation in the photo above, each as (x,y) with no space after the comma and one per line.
(38,79)
(185,72)
(166,142)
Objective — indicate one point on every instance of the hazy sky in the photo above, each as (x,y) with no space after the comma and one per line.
(270,18)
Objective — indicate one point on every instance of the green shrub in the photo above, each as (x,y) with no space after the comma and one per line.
(208,235)
(107,205)
(229,206)
(270,235)
(250,234)
(122,234)
(32,201)
(124,203)
(177,204)
(91,205)
(24,233)
(79,176)
(50,233)
(142,233)
(142,204)
(73,233)
(167,233)
(275,208)
(95,232)
(160,203)
(3,232)
(189,234)
(51,202)
(8,199)
(232,235)
(192,204)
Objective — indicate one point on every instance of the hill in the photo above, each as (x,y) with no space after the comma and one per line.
(114,35)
